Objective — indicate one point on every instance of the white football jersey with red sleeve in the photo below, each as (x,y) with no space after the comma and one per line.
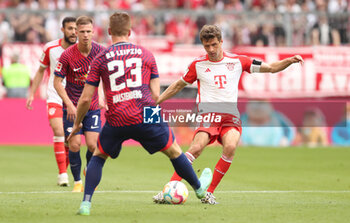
(50,56)
(218,81)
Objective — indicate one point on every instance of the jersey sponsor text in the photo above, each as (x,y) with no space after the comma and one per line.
(135,94)
(123,52)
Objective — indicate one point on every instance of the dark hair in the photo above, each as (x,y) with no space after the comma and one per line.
(120,24)
(84,20)
(209,32)
(67,20)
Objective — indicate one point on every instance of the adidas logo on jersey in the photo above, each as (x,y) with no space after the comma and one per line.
(207,70)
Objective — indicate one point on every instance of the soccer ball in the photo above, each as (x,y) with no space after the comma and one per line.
(175,192)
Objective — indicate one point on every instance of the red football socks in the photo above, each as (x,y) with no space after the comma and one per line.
(220,169)
(60,153)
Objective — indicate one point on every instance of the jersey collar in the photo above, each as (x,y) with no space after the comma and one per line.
(207,57)
(121,43)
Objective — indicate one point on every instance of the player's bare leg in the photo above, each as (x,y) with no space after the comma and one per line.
(229,142)
(59,150)
(75,162)
(200,141)
(93,178)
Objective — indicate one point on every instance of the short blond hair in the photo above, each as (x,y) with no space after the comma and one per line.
(84,20)
(120,24)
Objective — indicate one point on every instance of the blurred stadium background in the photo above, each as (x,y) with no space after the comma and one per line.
(311,99)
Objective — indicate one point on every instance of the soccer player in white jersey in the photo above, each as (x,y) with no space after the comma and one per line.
(52,52)
(217,74)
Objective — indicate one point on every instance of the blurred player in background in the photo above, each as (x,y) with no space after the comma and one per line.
(50,56)
(74,65)
(131,82)
(218,74)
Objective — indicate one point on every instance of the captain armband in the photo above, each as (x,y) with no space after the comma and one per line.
(255,67)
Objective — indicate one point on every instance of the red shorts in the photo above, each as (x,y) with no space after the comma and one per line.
(217,130)
(54,110)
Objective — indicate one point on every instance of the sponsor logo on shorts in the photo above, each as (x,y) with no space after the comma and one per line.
(52,111)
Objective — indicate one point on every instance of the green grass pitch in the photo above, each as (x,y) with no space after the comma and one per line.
(263,185)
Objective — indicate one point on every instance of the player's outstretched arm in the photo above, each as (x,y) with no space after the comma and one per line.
(280,65)
(172,90)
(36,82)
(82,107)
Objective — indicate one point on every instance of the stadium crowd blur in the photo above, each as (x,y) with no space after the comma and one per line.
(254,28)
(251,23)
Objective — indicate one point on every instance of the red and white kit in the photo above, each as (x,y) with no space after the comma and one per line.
(218,88)
(50,56)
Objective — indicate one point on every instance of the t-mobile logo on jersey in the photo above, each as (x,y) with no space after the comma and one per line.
(151,114)
(220,80)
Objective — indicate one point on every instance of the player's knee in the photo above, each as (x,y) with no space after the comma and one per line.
(57,131)
(74,147)
(173,151)
(98,153)
(85,100)
(229,150)
(91,147)
(195,150)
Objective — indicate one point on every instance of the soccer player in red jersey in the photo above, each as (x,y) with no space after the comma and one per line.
(131,82)
(217,74)
(74,65)
(50,56)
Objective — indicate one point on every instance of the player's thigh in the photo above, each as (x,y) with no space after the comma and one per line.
(201,138)
(199,142)
(57,126)
(91,140)
(173,151)
(110,141)
(230,141)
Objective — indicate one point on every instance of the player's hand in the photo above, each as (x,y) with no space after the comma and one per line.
(297,59)
(71,113)
(75,130)
(29,102)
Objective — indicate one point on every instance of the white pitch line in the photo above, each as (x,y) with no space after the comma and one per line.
(217,192)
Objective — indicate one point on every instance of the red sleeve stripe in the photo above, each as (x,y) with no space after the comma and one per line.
(170,141)
(101,149)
